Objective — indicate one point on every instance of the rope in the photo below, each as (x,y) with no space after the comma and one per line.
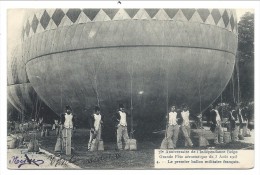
(167,87)
(167,100)
(233,88)
(131,95)
(131,71)
(221,100)
(238,84)
(96,89)
(200,79)
(96,69)
(200,92)
(61,90)
(36,108)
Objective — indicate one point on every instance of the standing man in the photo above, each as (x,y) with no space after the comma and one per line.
(216,127)
(67,121)
(199,122)
(95,122)
(234,124)
(121,124)
(55,126)
(172,132)
(185,126)
(243,121)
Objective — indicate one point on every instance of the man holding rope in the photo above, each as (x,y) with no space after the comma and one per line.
(121,125)
(95,121)
(67,121)
(172,130)
(216,125)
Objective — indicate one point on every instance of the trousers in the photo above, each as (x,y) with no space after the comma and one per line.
(67,134)
(234,133)
(186,133)
(172,134)
(94,137)
(122,132)
(218,133)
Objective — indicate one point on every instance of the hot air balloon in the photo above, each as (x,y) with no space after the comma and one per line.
(23,101)
(85,57)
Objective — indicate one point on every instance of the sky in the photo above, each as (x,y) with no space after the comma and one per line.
(241,12)
(16,22)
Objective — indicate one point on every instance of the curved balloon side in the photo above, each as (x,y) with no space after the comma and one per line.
(65,63)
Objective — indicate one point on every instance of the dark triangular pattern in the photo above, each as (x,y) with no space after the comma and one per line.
(171,12)
(27,28)
(35,23)
(45,19)
(216,15)
(91,13)
(232,22)
(57,16)
(131,12)
(111,12)
(225,18)
(204,14)
(188,13)
(73,14)
(151,12)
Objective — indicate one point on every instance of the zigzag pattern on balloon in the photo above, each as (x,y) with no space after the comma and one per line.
(50,19)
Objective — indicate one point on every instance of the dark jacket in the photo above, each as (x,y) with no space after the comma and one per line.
(91,120)
(233,116)
(244,113)
(213,116)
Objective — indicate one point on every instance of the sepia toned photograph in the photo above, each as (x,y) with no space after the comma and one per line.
(130,88)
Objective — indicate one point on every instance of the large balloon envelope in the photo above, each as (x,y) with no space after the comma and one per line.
(85,57)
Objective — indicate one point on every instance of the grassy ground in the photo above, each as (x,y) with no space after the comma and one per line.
(108,159)
(143,158)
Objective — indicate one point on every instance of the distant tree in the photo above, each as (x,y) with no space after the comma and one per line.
(245,56)
(245,68)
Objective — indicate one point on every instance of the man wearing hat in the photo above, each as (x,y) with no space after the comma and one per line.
(67,121)
(95,122)
(243,119)
(121,125)
(173,127)
(216,122)
(185,125)
(234,123)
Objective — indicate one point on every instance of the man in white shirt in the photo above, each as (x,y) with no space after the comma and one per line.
(95,122)
(67,121)
(185,126)
(234,124)
(121,125)
(216,126)
(173,127)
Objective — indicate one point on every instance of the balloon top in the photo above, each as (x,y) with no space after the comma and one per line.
(41,20)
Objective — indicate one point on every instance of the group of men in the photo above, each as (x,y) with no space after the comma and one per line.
(238,122)
(179,120)
(95,121)
(120,120)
